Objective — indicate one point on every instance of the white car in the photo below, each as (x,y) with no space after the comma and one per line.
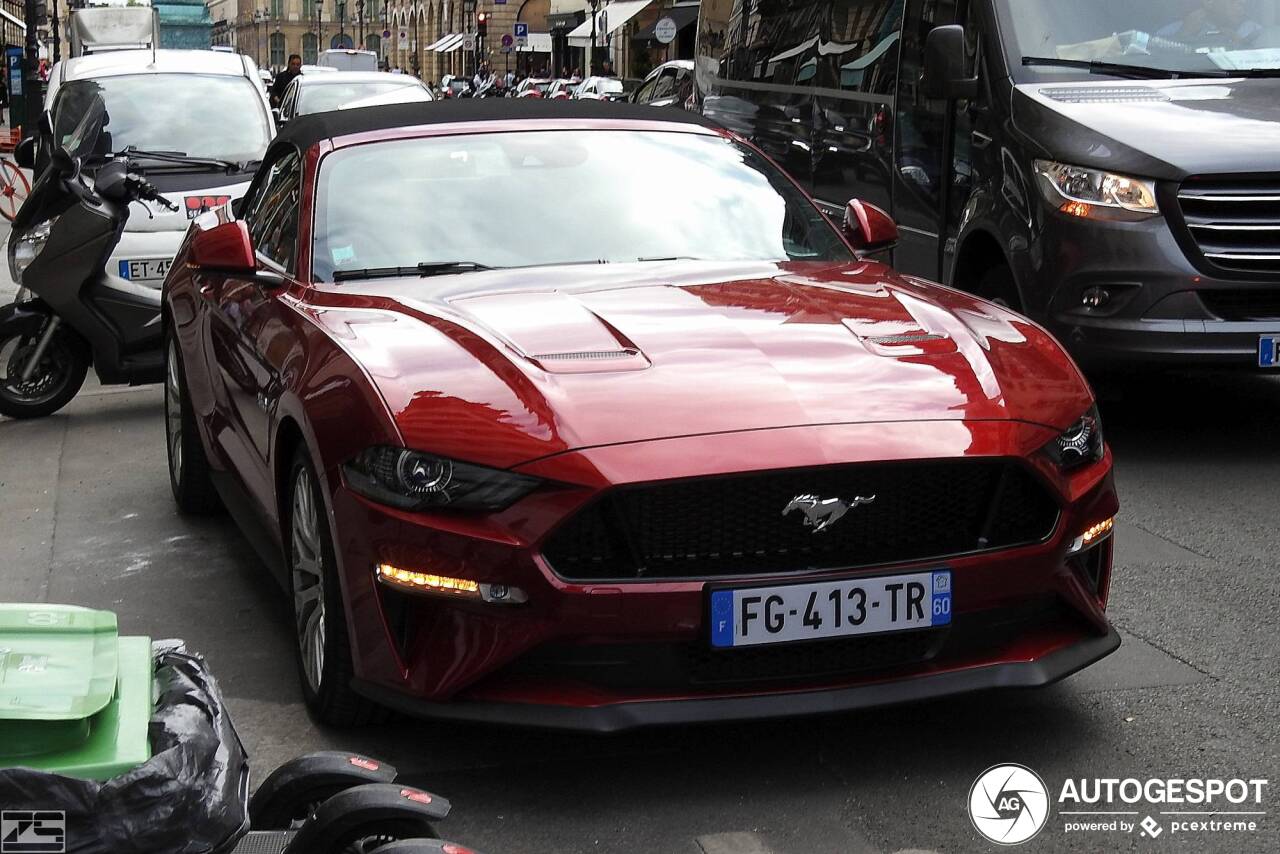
(601,89)
(195,122)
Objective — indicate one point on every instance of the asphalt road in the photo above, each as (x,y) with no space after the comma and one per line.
(86,518)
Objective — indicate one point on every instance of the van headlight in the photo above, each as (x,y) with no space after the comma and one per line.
(24,248)
(1093,193)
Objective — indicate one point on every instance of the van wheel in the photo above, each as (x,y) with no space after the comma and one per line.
(998,286)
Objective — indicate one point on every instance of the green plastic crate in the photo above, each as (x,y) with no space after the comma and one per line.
(75,697)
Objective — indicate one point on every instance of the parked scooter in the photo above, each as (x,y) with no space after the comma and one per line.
(78,314)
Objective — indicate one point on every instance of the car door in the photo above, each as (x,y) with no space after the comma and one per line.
(246,327)
(921,135)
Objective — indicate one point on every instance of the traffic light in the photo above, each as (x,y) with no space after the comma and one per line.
(482,24)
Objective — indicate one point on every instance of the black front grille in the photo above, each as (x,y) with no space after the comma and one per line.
(1260,304)
(735,525)
(683,666)
(695,665)
(1234,222)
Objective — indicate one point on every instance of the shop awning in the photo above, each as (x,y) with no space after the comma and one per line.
(16,21)
(608,19)
(682,15)
(538,43)
(435,44)
(449,43)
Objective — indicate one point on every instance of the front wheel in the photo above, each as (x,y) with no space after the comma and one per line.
(324,653)
(52,382)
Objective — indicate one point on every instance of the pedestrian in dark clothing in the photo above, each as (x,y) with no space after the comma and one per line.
(606,69)
(284,78)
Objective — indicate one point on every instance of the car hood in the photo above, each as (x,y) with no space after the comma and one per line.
(149,216)
(1155,128)
(504,367)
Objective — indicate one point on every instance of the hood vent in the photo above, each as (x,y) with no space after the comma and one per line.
(907,338)
(587,354)
(1104,94)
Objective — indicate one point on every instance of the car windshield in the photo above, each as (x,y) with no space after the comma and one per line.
(1210,36)
(500,200)
(153,112)
(320,97)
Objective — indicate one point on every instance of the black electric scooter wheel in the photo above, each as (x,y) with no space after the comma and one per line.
(56,379)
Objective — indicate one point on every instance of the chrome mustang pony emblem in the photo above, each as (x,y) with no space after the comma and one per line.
(822,513)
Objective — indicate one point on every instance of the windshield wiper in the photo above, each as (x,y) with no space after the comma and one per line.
(1117,69)
(425,269)
(179,157)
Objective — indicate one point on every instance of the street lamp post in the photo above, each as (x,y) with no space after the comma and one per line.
(342,23)
(319,27)
(360,20)
(591,51)
(414,61)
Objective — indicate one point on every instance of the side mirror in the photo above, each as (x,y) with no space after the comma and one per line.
(24,154)
(225,248)
(868,227)
(944,65)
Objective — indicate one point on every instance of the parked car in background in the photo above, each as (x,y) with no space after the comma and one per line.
(533,87)
(601,89)
(731,467)
(346,59)
(668,85)
(150,98)
(1107,168)
(562,89)
(455,86)
(318,93)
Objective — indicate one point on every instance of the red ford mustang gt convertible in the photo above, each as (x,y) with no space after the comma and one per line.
(698,458)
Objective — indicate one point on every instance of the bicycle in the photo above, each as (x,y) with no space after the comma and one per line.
(14,186)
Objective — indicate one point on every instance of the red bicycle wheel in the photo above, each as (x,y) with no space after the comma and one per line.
(14,189)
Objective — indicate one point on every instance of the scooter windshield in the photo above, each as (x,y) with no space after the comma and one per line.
(48,197)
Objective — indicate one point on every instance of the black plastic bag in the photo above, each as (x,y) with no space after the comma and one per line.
(191,796)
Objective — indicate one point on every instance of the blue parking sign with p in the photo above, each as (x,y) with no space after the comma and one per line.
(521,31)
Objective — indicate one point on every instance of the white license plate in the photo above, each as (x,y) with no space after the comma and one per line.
(145,270)
(831,609)
(1269,351)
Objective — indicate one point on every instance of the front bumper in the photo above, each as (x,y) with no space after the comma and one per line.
(613,655)
(1052,667)
(1164,310)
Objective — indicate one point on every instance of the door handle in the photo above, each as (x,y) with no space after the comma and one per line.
(980,140)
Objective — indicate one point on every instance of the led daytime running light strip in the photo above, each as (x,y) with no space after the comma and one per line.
(1093,535)
(444,585)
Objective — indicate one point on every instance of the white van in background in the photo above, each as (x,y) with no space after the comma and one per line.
(348,60)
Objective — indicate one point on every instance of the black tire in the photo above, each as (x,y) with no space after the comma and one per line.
(189,476)
(376,835)
(324,662)
(57,379)
(998,286)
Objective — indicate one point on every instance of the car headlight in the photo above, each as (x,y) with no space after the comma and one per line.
(24,248)
(1080,444)
(413,480)
(1084,192)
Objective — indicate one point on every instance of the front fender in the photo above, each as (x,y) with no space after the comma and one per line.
(27,317)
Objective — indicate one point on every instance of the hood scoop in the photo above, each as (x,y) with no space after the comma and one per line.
(556,332)
(1104,94)
(916,328)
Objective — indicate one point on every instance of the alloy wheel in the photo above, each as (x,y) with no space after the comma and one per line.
(308,579)
(173,412)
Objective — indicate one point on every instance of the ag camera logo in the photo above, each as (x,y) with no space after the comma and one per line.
(1008,804)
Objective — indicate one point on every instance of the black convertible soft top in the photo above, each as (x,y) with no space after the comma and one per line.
(305,131)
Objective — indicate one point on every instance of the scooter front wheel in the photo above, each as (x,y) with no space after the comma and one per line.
(35,390)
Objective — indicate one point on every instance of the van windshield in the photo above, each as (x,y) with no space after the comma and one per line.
(1160,36)
(153,112)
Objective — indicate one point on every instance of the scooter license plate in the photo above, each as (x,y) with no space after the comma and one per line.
(145,270)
